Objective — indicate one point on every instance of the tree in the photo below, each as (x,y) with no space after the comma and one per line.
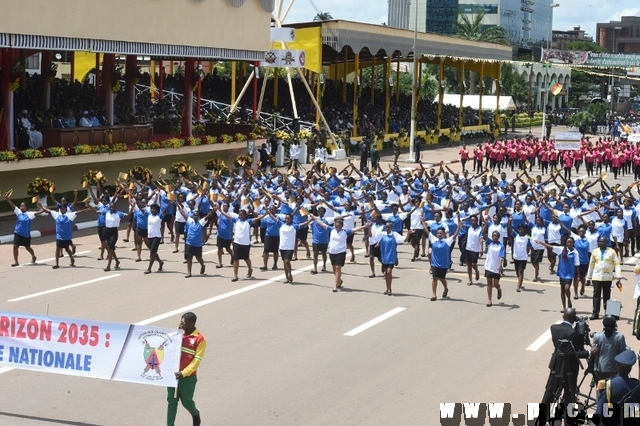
(599,111)
(585,46)
(472,29)
(514,84)
(323,16)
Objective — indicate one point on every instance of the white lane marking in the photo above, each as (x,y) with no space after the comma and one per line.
(374,321)
(54,290)
(632,260)
(53,258)
(205,302)
(5,239)
(540,341)
(87,225)
(208,301)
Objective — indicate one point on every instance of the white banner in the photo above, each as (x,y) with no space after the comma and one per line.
(111,351)
(568,141)
(283,34)
(284,59)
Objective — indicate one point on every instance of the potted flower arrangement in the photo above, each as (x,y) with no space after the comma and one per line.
(242,160)
(214,165)
(272,161)
(140,172)
(180,168)
(240,137)
(304,134)
(93,177)
(226,138)
(41,188)
(282,135)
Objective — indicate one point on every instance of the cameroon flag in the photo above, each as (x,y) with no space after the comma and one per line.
(555,88)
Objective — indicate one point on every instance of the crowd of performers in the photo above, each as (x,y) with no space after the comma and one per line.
(620,158)
(516,222)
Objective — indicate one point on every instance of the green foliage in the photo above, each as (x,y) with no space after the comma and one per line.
(587,46)
(599,111)
(583,85)
(514,84)
(581,117)
(470,27)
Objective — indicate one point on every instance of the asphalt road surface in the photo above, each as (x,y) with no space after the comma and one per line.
(296,354)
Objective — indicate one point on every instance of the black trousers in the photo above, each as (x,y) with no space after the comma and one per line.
(462,245)
(604,288)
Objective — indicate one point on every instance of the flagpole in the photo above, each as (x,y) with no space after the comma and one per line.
(544,101)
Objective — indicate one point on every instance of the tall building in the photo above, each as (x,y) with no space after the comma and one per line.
(620,36)
(399,14)
(561,38)
(527,21)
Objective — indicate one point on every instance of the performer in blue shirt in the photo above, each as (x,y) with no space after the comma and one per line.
(22,231)
(64,231)
(195,227)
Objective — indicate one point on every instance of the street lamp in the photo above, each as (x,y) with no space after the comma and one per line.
(551,6)
(615,29)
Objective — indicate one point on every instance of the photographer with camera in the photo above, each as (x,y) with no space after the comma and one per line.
(611,344)
(565,362)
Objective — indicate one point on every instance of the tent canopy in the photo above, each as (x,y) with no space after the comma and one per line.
(473,101)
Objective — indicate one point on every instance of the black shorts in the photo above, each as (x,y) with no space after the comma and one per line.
(302,233)
(179,228)
(338,259)
(154,243)
(286,254)
(20,241)
(350,239)
(439,272)
(471,257)
(101,234)
(64,244)
(520,265)
(222,243)
(417,235)
(143,233)
(489,274)
(386,266)
(167,218)
(582,270)
(271,244)
(537,255)
(111,237)
(241,252)
(319,248)
(565,282)
(192,251)
(374,251)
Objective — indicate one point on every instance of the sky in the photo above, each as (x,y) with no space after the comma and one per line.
(570,13)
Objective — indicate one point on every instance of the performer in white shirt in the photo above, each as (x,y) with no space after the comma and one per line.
(294,154)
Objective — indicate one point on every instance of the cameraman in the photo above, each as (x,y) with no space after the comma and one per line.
(565,361)
(611,344)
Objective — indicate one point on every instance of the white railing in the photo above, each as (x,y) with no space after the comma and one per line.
(270,121)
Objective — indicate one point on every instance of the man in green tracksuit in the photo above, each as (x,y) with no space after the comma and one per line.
(193,347)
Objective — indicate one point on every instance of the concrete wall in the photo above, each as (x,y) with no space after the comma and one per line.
(211,23)
(66,172)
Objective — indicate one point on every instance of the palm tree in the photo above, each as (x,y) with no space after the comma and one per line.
(471,29)
(323,16)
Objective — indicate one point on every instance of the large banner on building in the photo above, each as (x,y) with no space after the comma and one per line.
(85,348)
(590,58)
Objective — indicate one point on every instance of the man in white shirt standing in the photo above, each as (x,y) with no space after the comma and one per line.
(294,154)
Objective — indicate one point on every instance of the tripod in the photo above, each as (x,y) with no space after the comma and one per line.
(589,401)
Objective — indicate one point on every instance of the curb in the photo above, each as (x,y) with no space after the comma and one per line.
(6,239)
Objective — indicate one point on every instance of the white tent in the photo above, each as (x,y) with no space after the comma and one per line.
(473,101)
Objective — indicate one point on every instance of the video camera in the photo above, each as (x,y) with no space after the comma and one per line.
(582,328)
